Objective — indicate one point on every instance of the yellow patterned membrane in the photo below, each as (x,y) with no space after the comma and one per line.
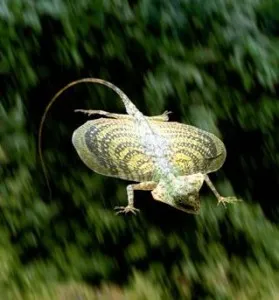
(112,147)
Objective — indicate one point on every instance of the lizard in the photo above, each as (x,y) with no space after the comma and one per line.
(170,159)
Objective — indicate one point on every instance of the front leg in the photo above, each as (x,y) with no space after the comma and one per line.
(220,198)
(164,117)
(143,186)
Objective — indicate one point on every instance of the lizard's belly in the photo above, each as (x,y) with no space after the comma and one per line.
(112,147)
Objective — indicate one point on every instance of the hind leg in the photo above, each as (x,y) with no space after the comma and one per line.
(161,118)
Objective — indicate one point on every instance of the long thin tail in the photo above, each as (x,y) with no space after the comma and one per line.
(130,107)
(155,146)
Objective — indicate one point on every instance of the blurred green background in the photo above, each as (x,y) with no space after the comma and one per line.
(215,64)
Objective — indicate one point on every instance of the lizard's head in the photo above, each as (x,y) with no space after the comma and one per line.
(183,193)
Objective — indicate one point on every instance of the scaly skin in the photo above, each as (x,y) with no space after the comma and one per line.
(170,159)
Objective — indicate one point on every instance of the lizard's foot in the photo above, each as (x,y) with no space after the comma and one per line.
(166,113)
(126,209)
(225,200)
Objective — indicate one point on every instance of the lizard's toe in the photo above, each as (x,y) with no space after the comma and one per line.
(225,200)
(126,209)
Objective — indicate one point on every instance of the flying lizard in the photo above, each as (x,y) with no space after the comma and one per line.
(170,159)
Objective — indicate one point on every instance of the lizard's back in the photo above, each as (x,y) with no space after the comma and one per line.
(112,147)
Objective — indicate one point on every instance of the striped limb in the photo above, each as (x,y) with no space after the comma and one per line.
(220,198)
(164,117)
(143,186)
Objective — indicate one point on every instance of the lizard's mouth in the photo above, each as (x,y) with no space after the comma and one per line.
(188,206)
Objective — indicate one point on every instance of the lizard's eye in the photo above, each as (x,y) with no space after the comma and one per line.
(180,201)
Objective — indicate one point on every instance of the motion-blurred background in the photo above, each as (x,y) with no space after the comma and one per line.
(215,65)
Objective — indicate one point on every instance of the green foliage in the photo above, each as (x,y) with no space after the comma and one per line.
(213,63)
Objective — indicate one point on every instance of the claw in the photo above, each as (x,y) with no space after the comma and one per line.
(225,200)
(126,209)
